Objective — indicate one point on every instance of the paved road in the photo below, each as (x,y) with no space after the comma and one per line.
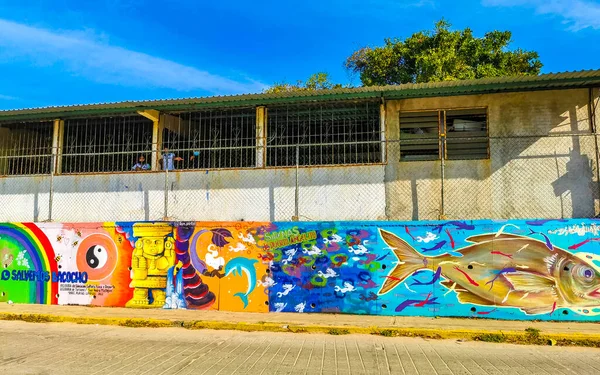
(29,348)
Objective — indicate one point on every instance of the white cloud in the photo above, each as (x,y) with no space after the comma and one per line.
(577,14)
(7,97)
(95,59)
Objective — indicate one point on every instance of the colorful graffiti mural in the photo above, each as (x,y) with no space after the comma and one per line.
(537,269)
(138,265)
(519,269)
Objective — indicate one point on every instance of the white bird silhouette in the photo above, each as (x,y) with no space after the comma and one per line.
(328,273)
(240,247)
(290,255)
(347,288)
(269,282)
(314,251)
(249,238)
(428,237)
(360,250)
(287,288)
(334,239)
(300,307)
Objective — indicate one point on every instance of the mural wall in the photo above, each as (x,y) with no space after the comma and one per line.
(518,269)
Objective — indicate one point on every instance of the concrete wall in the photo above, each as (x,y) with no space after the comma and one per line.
(357,193)
(537,168)
(517,269)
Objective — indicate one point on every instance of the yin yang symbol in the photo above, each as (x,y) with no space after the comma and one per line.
(96,256)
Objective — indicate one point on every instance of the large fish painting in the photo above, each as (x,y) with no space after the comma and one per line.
(504,270)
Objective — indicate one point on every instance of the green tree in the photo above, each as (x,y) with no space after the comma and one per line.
(317,81)
(442,55)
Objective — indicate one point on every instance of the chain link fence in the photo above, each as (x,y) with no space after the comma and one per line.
(552,176)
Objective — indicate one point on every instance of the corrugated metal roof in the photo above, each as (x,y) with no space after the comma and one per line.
(580,79)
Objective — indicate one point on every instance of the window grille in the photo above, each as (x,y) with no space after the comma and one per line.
(463,132)
(324,134)
(26,148)
(105,144)
(212,139)
(419,135)
(466,134)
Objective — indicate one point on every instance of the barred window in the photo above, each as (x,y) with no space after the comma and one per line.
(105,144)
(212,139)
(324,134)
(462,132)
(466,134)
(419,135)
(26,148)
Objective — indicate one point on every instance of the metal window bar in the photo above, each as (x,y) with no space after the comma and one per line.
(559,167)
(419,135)
(212,139)
(26,148)
(326,134)
(466,134)
(463,133)
(106,144)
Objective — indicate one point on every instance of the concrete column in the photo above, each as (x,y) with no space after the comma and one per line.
(4,150)
(155,117)
(261,136)
(383,132)
(57,146)
(391,119)
(156,144)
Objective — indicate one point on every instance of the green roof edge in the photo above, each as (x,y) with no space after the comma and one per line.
(583,79)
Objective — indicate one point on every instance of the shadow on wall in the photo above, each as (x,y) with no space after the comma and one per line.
(577,183)
(546,168)
(578,180)
(555,173)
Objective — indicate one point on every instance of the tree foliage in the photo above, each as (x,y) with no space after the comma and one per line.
(442,55)
(317,81)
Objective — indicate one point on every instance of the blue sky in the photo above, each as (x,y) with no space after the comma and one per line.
(62,52)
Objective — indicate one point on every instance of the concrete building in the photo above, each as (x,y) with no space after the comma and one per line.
(499,148)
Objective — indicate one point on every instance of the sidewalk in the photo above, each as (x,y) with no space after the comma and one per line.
(566,333)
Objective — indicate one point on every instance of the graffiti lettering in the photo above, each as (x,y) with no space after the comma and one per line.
(488,269)
(292,240)
(70,277)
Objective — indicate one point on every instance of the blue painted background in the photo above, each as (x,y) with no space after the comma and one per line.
(343,270)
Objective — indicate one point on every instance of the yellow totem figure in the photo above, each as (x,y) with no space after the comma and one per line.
(152,257)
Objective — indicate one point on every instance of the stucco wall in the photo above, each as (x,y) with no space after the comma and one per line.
(518,269)
(264,194)
(537,167)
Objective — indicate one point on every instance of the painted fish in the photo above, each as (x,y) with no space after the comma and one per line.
(239,266)
(538,223)
(457,224)
(534,278)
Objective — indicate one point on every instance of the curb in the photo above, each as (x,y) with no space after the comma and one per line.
(527,337)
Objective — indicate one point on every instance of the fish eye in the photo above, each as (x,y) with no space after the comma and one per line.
(586,273)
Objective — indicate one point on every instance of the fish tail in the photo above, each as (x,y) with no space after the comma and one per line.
(243,297)
(409,261)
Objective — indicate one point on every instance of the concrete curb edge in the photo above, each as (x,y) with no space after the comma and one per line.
(531,337)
